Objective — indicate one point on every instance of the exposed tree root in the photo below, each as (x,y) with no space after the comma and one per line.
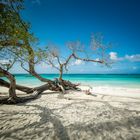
(7,100)
(57,85)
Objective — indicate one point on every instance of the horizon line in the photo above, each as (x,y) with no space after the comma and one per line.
(82,73)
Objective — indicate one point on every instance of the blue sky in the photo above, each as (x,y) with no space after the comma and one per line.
(60,21)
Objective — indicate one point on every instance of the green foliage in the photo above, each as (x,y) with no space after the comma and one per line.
(1,75)
(12,26)
(13,30)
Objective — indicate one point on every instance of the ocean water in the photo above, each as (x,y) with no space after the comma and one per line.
(113,80)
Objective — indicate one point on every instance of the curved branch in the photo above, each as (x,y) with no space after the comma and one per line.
(58,60)
(12,90)
(31,57)
(18,87)
(88,60)
(68,59)
(52,64)
(32,67)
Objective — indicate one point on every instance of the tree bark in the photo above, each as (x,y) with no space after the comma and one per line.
(6,100)
(32,63)
(55,85)
(48,86)
(61,72)
(12,86)
(18,87)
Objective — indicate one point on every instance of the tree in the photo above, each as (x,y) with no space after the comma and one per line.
(95,53)
(14,38)
(16,46)
(9,27)
(55,60)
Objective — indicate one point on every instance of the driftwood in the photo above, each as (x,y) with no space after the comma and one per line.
(56,85)
(7,100)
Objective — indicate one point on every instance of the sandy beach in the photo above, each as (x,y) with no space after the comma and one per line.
(69,70)
(78,116)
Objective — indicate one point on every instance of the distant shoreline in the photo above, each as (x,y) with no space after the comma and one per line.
(81,73)
(95,80)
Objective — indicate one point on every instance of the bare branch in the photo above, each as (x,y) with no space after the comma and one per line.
(68,59)
(88,60)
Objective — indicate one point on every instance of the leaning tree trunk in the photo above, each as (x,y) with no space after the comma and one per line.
(56,85)
(61,72)
(12,87)
(32,65)
(18,87)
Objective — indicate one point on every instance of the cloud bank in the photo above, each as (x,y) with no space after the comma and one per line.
(132,58)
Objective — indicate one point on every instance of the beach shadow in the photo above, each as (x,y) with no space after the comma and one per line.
(38,128)
(123,129)
(50,125)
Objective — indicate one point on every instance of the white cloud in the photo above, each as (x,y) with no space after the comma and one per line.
(134,57)
(97,59)
(77,62)
(113,55)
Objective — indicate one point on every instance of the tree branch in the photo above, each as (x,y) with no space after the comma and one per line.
(88,60)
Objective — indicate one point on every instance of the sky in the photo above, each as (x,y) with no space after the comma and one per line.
(61,21)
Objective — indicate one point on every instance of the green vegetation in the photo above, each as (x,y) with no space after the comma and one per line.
(16,43)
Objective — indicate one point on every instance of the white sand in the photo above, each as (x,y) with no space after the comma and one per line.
(114,91)
(79,117)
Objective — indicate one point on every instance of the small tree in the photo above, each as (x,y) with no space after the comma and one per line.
(55,60)
(96,53)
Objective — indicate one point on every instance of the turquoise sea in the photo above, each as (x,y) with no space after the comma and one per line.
(120,80)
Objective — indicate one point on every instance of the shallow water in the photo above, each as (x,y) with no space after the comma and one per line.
(115,80)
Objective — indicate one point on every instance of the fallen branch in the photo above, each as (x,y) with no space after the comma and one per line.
(7,100)
(56,85)
(18,87)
